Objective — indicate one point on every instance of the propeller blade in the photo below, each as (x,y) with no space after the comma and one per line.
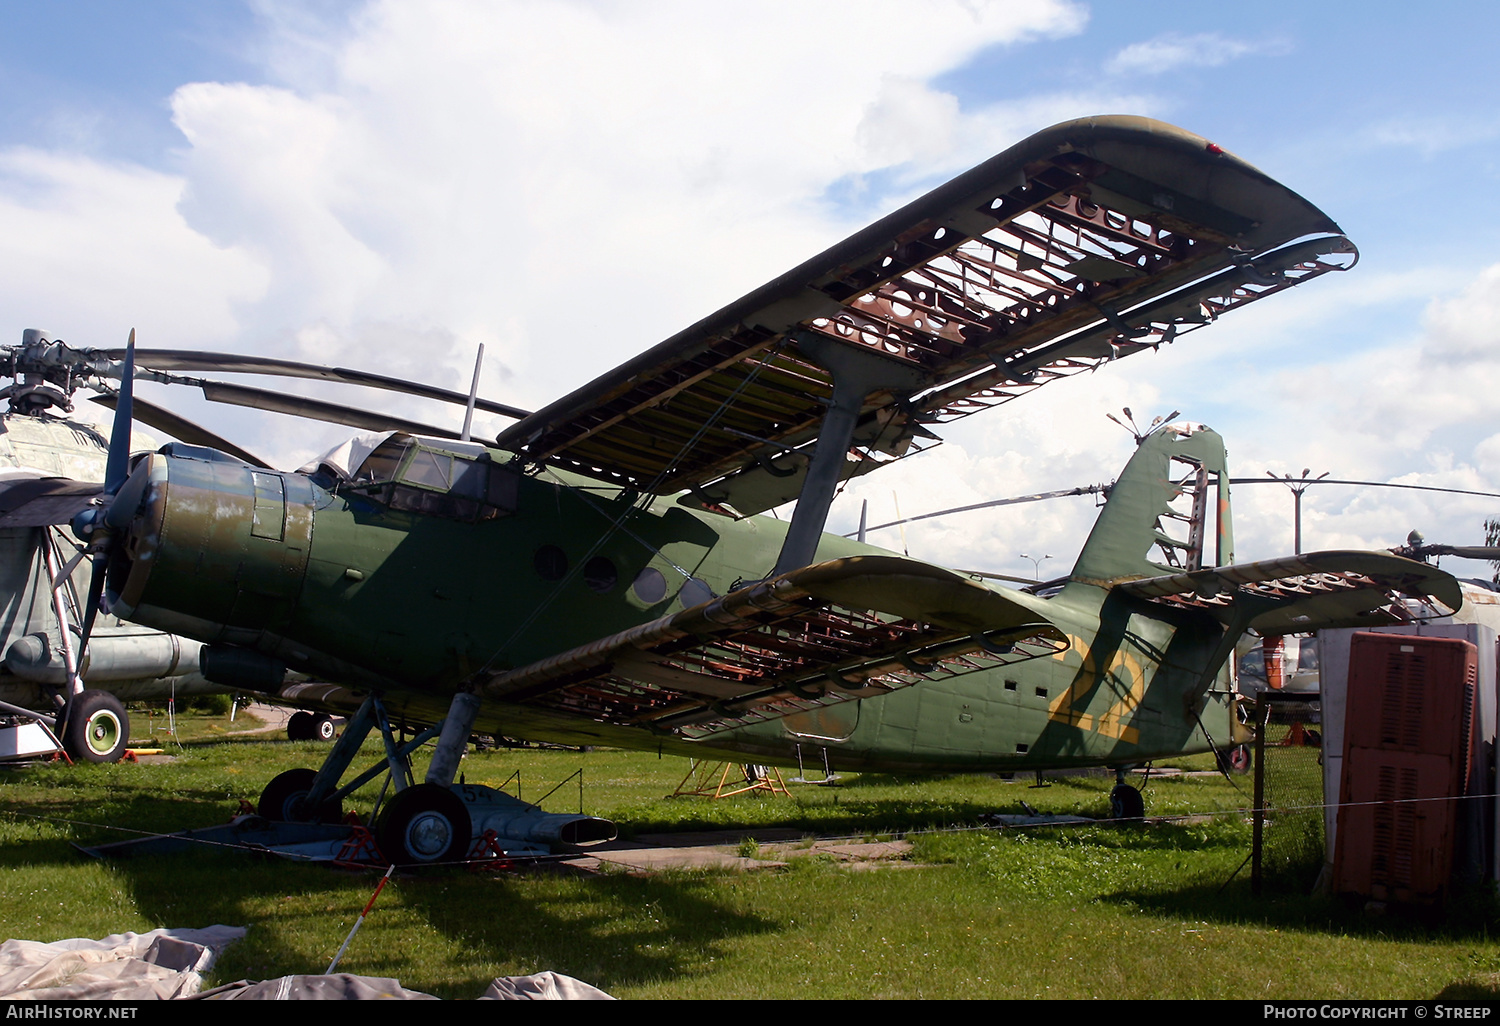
(222,363)
(119,435)
(181,428)
(91,607)
(122,509)
(297,406)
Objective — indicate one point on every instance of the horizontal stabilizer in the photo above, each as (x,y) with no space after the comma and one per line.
(1313,591)
(857,627)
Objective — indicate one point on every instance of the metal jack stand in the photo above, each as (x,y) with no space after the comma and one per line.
(756,778)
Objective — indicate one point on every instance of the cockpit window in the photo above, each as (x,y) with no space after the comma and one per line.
(407,475)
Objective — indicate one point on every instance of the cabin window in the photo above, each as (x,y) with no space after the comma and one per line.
(650,586)
(600,574)
(551,563)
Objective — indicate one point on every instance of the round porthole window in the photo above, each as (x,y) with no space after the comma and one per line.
(650,586)
(694,593)
(600,574)
(551,563)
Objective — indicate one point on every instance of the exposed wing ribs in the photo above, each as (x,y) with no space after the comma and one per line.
(1085,243)
(772,649)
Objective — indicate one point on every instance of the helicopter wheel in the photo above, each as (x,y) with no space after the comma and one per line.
(1125,802)
(300,727)
(98,728)
(424,825)
(322,728)
(285,800)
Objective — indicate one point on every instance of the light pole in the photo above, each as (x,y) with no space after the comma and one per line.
(1036,563)
(1298,485)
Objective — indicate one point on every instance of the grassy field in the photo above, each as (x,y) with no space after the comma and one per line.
(1153,911)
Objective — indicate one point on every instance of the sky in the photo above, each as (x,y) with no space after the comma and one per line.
(386,185)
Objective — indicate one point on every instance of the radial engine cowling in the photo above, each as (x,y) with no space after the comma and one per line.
(216,549)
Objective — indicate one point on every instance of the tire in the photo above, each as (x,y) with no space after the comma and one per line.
(424,825)
(300,727)
(285,800)
(98,728)
(1125,802)
(322,728)
(1237,760)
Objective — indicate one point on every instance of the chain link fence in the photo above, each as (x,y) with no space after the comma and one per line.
(1289,844)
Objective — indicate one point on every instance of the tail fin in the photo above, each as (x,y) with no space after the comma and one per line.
(1174,493)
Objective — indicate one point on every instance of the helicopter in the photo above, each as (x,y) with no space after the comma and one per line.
(599,573)
(54,694)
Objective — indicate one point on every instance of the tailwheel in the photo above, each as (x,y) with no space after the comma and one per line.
(98,727)
(1125,802)
(1237,759)
(423,825)
(285,800)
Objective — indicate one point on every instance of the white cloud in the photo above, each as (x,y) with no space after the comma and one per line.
(1173,51)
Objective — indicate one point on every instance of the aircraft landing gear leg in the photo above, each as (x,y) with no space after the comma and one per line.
(1125,801)
(428,823)
(304,795)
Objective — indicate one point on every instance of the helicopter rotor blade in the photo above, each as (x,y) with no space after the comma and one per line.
(316,409)
(1086,490)
(181,428)
(221,363)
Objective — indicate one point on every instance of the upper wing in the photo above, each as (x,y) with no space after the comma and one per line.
(1309,592)
(1088,241)
(848,628)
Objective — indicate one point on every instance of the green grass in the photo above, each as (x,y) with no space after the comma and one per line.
(1099,911)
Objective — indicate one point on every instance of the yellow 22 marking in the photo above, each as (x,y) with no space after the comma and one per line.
(1067,707)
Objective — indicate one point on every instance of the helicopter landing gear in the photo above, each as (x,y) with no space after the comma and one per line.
(306,726)
(98,727)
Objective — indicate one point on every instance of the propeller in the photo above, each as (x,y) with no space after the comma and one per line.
(99,525)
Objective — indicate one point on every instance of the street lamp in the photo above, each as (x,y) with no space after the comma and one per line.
(1298,486)
(1036,563)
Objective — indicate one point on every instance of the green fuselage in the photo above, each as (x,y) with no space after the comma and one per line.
(337,583)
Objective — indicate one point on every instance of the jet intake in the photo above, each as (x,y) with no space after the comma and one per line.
(512,820)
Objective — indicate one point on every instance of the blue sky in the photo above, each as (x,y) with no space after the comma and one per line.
(386,184)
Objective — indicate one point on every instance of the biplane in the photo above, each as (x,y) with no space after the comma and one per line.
(600,572)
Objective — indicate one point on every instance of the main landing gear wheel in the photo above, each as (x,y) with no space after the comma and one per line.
(98,728)
(424,825)
(322,728)
(1125,802)
(285,800)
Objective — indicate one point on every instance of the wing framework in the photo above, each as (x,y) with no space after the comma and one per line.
(1313,591)
(1089,241)
(858,627)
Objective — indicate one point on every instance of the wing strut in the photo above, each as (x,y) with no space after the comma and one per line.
(856,373)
